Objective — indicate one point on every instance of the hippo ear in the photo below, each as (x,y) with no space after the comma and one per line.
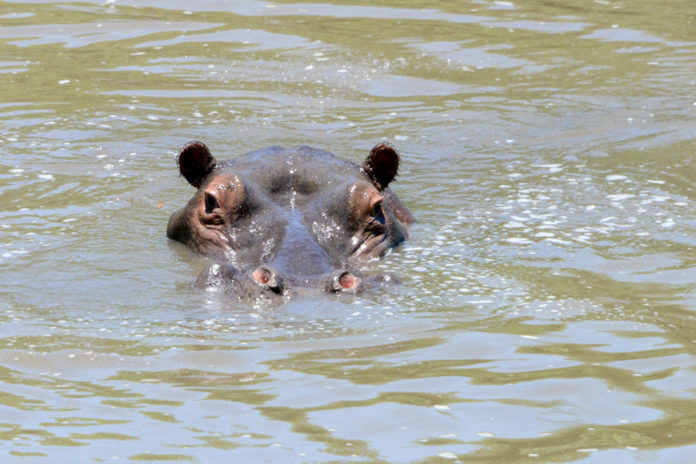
(381,165)
(195,162)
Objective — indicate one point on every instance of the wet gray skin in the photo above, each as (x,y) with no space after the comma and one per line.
(281,222)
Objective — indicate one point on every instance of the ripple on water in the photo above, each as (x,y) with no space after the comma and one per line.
(547,292)
(86,34)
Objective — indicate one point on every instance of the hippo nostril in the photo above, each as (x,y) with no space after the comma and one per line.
(261,275)
(267,278)
(344,282)
(348,281)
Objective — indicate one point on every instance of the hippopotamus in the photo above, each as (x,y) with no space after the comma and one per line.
(279,221)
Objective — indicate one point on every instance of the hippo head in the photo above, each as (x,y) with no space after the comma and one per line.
(284,221)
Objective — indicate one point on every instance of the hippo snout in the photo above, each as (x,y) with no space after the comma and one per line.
(270,280)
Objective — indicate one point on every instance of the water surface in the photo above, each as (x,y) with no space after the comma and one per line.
(548,305)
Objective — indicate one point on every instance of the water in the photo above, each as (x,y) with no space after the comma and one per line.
(548,305)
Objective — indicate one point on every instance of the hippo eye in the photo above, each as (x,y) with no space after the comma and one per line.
(211,203)
(377,212)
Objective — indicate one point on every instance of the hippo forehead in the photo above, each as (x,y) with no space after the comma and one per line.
(300,171)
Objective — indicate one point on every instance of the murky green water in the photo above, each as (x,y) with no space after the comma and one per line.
(548,305)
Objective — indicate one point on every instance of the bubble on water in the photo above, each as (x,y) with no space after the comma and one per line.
(616,177)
